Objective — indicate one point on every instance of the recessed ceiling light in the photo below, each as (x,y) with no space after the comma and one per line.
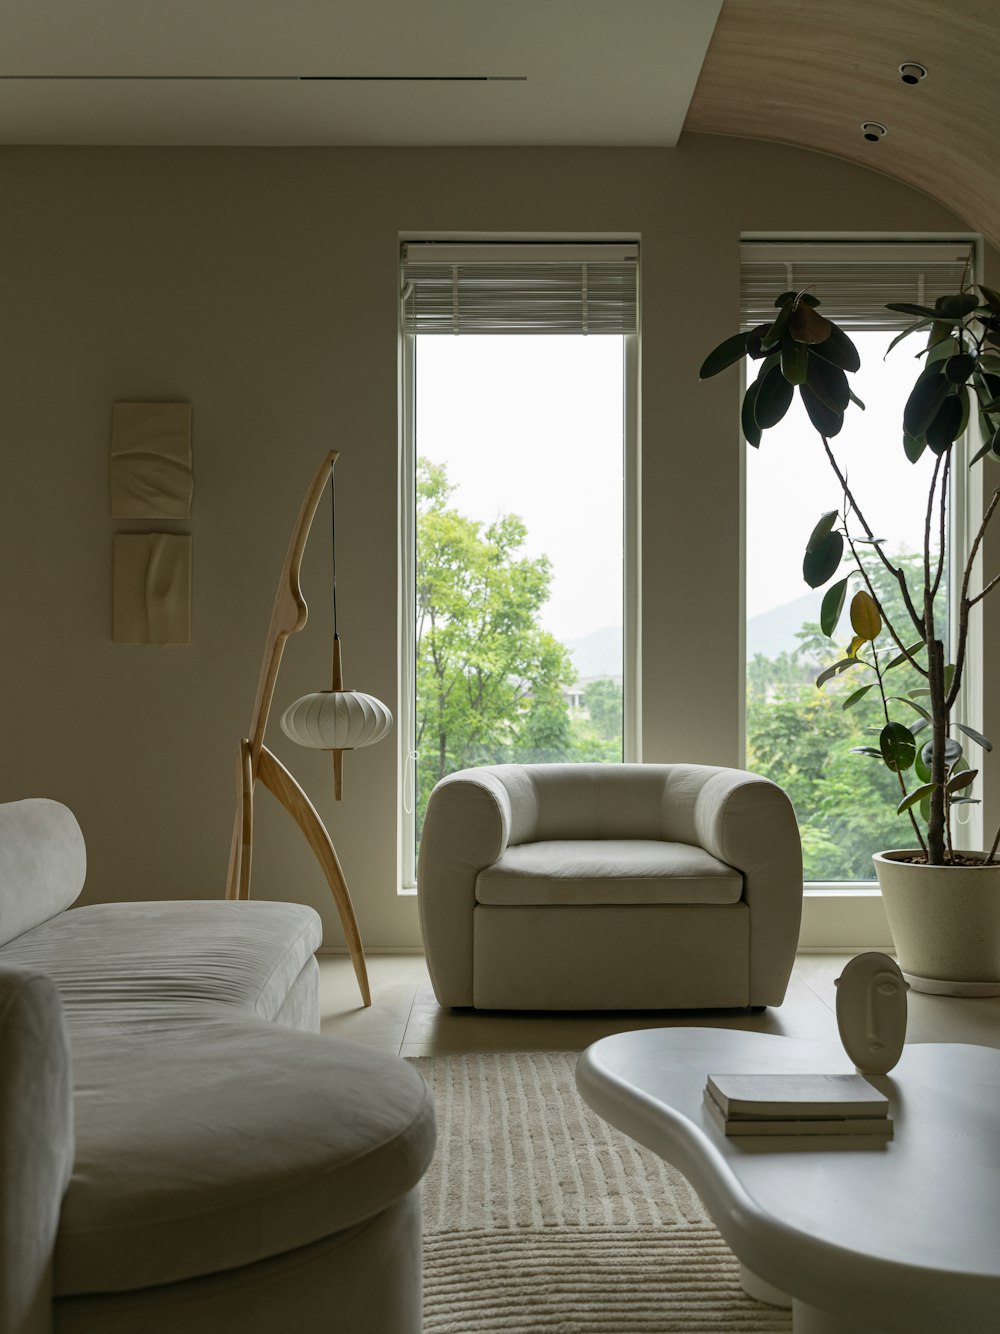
(873,130)
(911,72)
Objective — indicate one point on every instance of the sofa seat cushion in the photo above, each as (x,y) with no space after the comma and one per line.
(208,1147)
(123,967)
(607,871)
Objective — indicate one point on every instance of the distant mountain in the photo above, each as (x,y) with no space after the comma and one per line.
(597,654)
(773,632)
(770,633)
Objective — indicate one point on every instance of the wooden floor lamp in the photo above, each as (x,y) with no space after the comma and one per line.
(335,720)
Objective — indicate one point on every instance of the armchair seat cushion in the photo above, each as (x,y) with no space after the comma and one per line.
(606,871)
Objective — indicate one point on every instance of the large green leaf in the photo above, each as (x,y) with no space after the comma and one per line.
(959,305)
(821,563)
(914,328)
(962,779)
(946,427)
(837,668)
(976,736)
(751,430)
(909,655)
(833,605)
(794,361)
(774,398)
(828,383)
(915,796)
(925,717)
(873,751)
(924,402)
(838,349)
(960,367)
(943,349)
(726,354)
(806,325)
(914,446)
(857,695)
(755,340)
(952,752)
(898,747)
(773,336)
(824,419)
(992,297)
(907,308)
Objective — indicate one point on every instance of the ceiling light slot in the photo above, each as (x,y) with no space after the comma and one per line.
(910,72)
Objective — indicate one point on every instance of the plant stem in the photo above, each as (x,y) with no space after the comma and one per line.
(894,570)
(899,772)
(965,603)
(996,843)
(896,637)
(939,728)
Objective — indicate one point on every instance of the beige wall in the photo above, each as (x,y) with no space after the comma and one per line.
(260,285)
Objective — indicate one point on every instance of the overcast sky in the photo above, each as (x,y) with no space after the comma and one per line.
(533,426)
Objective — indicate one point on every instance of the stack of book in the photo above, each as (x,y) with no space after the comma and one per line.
(805,1104)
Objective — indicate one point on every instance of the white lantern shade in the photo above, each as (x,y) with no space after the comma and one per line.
(336,720)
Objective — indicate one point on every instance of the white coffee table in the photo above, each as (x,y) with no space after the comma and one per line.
(883,1238)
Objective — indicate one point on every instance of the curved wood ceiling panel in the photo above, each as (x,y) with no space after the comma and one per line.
(808,73)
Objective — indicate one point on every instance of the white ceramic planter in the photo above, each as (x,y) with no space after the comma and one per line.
(945,924)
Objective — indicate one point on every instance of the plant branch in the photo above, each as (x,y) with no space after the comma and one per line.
(965,603)
(979,596)
(899,772)
(942,527)
(894,570)
(896,638)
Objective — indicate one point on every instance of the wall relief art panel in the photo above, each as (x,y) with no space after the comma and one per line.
(151,464)
(151,599)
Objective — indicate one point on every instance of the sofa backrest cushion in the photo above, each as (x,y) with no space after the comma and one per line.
(43,863)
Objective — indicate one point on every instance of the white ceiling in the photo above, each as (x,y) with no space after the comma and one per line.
(558,72)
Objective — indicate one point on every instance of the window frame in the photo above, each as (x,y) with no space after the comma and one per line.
(966,498)
(406,597)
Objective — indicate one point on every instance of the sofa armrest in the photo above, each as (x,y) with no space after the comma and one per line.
(466,828)
(749,823)
(36,1144)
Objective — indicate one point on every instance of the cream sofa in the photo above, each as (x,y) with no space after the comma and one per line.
(599,886)
(181,1151)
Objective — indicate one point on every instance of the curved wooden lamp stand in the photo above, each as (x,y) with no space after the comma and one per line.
(256,761)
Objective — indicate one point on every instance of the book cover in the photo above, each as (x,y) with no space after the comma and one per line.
(799,1096)
(868,1126)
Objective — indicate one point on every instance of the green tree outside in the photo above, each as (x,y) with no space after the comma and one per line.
(490,681)
(802,738)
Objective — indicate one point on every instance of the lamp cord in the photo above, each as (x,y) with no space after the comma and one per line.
(333,539)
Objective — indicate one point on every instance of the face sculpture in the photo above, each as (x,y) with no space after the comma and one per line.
(871,1012)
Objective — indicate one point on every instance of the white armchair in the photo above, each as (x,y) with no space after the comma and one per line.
(592,886)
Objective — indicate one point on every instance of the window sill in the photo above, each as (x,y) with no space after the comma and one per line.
(844,918)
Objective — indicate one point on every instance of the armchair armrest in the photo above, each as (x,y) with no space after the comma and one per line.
(36,1144)
(467,827)
(749,823)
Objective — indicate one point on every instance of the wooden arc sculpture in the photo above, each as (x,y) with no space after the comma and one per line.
(255,761)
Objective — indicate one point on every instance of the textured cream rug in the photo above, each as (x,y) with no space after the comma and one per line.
(541,1219)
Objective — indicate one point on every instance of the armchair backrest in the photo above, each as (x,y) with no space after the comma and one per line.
(571,801)
(43,863)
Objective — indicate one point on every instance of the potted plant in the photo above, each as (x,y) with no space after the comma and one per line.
(943,905)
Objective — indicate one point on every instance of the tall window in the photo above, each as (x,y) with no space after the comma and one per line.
(796,734)
(517,619)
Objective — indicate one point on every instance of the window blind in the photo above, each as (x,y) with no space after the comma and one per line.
(520,288)
(853,280)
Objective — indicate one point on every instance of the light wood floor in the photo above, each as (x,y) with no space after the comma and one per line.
(406,1019)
